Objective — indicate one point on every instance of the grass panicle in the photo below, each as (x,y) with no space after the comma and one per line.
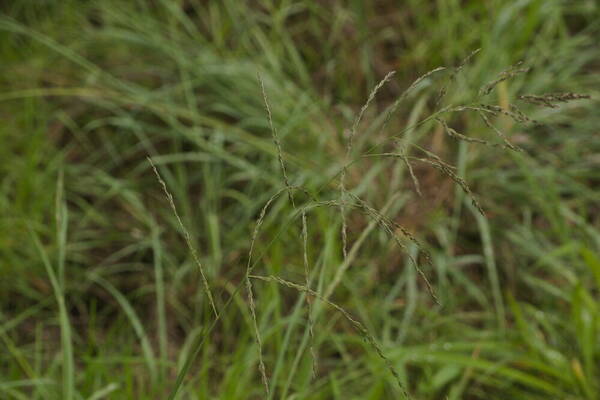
(186,235)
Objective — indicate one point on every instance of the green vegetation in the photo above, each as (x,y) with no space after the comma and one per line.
(320,228)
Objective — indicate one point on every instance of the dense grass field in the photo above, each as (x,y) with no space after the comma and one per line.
(292,200)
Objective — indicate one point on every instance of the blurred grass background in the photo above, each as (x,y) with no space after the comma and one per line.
(100,297)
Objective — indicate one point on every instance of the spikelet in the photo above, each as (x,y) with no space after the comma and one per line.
(502,76)
(550,100)
(507,143)
(454,134)
(453,75)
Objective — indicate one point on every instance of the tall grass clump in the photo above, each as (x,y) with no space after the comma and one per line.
(388,226)
(312,200)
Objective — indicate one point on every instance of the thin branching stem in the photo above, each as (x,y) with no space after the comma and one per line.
(362,330)
(276,140)
(186,235)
